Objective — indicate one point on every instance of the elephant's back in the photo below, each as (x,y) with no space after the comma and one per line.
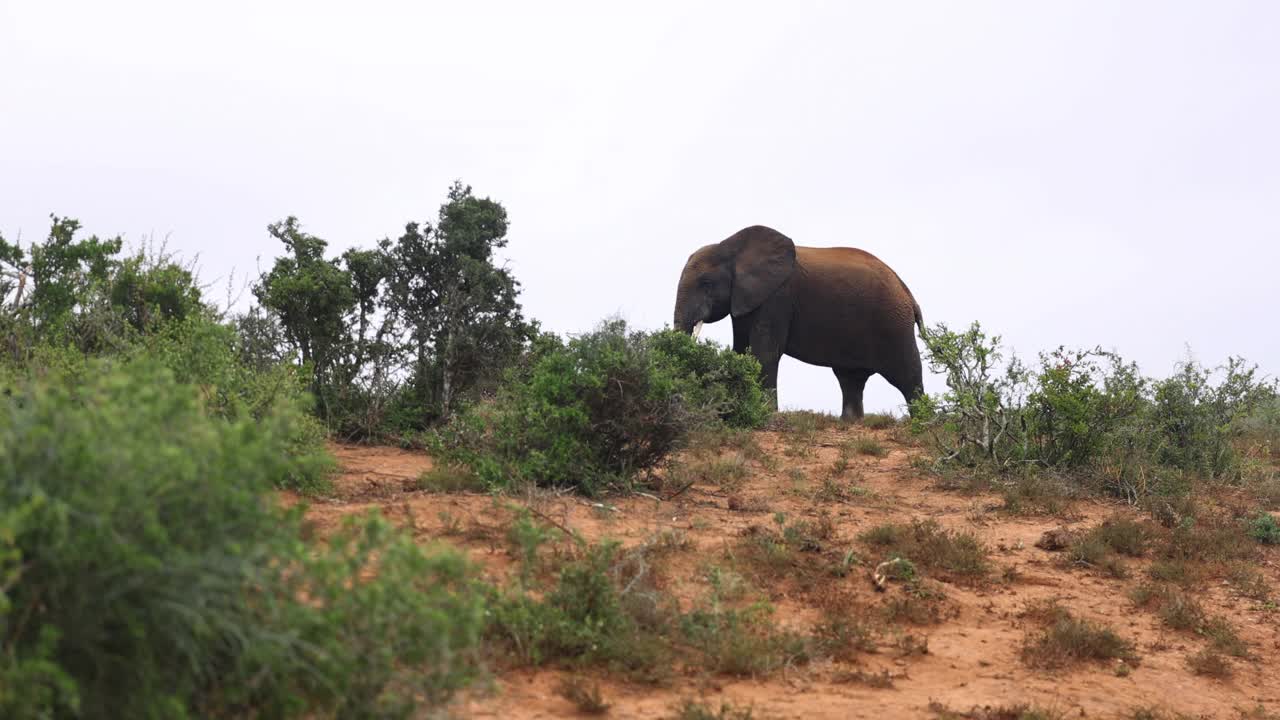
(848,270)
(851,310)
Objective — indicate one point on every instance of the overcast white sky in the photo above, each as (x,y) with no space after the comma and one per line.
(1065,172)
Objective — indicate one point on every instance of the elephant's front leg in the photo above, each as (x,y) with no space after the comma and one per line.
(764,336)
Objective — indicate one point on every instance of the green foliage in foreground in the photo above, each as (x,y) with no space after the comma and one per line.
(594,412)
(145,571)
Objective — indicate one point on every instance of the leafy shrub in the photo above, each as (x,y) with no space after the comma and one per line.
(716,379)
(1199,419)
(153,288)
(1265,529)
(1088,413)
(146,575)
(978,418)
(592,413)
(583,618)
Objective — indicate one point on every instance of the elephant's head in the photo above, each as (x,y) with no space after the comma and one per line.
(732,277)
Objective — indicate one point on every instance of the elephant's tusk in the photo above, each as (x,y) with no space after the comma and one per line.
(697,328)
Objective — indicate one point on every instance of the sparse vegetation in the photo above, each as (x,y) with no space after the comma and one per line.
(879,421)
(1100,547)
(956,556)
(1210,662)
(694,710)
(1003,712)
(1065,639)
(586,697)
(865,445)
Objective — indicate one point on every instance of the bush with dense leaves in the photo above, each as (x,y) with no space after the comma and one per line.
(145,571)
(718,379)
(1089,410)
(593,412)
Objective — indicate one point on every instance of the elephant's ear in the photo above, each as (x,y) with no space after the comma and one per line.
(763,260)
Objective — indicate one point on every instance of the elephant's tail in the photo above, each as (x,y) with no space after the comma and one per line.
(915,306)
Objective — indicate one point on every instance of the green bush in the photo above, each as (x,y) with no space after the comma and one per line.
(717,378)
(145,573)
(584,618)
(1089,414)
(594,412)
(1265,529)
(208,354)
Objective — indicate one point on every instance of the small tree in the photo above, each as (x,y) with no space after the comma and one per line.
(981,414)
(461,310)
(312,297)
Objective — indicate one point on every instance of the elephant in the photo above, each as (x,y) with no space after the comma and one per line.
(837,307)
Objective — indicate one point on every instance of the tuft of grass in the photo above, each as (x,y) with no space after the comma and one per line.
(694,710)
(1180,611)
(1223,638)
(727,472)
(866,445)
(743,642)
(1211,663)
(879,421)
(1001,712)
(840,466)
(1029,494)
(1154,713)
(586,698)
(1124,535)
(1065,640)
(446,478)
(1249,581)
(719,437)
(1100,546)
(949,554)
(844,637)
(919,604)
(1208,540)
(802,422)
(1179,572)
(882,680)
(1092,552)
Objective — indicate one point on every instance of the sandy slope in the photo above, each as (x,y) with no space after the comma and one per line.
(973,658)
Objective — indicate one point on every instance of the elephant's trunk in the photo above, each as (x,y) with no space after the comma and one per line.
(683,319)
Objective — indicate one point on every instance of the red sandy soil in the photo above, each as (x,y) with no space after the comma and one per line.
(973,658)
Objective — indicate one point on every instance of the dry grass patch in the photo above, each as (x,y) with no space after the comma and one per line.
(1000,712)
(1180,611)
(1211,663)
(586,697)
(879,421)
(955,556)
(445,478)
(1066,640)
(694,710)
(866,445)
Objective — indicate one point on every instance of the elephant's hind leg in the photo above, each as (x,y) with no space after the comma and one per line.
(852,383)
(908,379)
